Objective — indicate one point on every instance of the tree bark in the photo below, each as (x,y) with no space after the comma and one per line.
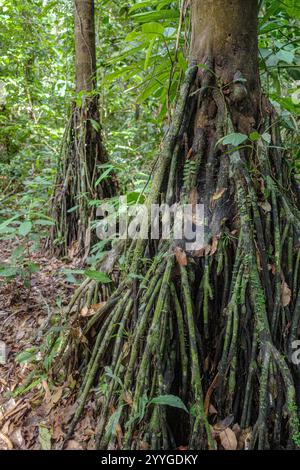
(227,30)
(225,38)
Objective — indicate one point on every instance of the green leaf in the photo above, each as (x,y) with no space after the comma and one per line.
(109,373)
(33,267)
(24,389)
(95,125)
(7,222)
(169,400)
(291,7)
(73,209)
(44,438)
(98,276)
(147,3)
(142,405)
(49,358)
(155,16)
(44,222)
(18,252)
(25,228)
(8,272)
(254,136)
(104,175)
(134,197)
(148,53)
(153,28)
(235,139)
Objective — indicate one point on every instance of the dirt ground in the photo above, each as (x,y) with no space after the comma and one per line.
(34,421)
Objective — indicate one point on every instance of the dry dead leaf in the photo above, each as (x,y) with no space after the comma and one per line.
(212,410)
(272,268)
(214,246)
(53,400)
(245,439)
(57,432)
(74,445)
(190,153)
(208,249)
(258,259)
(7,441)
(47,391)
(89,312)
(84,311)
(193,197)
(285,294)
(144,445)
(17,438)
(228,439)
(224,424)
(199,253)
(181,256)
(74,250)
(128,398)
(119,434)
(236,429)
(3,352)
(57,395)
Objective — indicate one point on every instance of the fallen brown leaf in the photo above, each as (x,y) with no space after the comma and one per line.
(224,424)
(228,439)
(181,256)
(128,398)
(245,439)
(214,246)
(285,294)
(212,410)
(7,441)
(144,445)
(74,445)
(89,312)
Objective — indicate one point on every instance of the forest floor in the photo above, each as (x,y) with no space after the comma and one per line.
(34,421)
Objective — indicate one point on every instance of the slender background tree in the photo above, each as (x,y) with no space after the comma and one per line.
(83,150)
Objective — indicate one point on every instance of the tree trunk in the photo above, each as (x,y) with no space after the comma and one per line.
(213,326)
(83,151)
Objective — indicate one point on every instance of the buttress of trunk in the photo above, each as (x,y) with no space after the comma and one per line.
(213,327)
(83,151)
